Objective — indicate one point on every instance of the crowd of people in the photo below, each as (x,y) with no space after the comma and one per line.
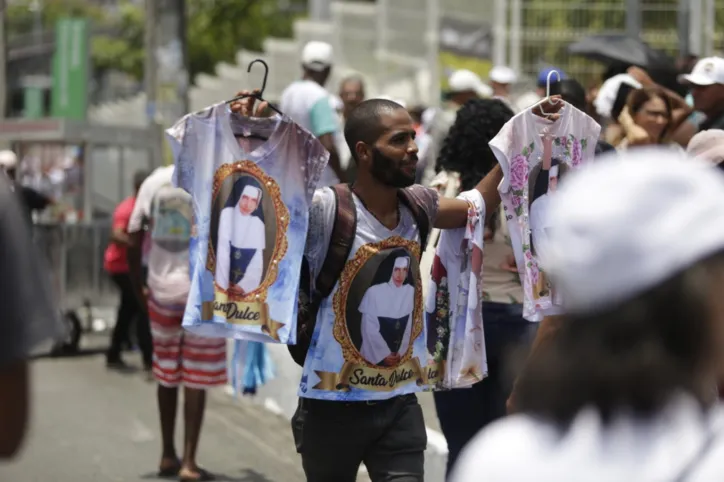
(621,386)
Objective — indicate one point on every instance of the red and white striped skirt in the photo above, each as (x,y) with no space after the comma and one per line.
(180,357)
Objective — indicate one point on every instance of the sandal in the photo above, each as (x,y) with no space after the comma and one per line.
(169,472)
(200,476)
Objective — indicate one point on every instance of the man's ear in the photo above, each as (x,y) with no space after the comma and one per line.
(364,153)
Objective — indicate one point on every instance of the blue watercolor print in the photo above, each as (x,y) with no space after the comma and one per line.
(207,289)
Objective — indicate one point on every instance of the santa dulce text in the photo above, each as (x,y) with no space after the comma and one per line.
(360,376)
(240,312)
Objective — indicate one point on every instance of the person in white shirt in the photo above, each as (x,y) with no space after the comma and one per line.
(623,387)
(241,242)
(308,103)
(386,310)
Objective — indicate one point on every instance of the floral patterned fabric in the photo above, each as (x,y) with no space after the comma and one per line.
(521,147)
(453,304)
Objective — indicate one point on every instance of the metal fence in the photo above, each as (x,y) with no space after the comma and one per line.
(74,257)
(394,39)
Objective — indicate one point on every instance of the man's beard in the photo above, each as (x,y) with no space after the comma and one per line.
(388,172)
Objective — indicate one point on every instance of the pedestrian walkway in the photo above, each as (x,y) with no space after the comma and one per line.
(92,425)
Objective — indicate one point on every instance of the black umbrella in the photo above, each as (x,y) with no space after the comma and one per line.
(613,48)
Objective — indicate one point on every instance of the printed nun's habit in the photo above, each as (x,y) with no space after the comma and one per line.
(240,249)
(387,318)
(538,210)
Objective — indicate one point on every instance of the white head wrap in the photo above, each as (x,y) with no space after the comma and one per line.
(402,262)
(251,191)
(610,245)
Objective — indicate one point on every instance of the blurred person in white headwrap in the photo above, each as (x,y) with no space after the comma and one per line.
(623,387)
(29,315)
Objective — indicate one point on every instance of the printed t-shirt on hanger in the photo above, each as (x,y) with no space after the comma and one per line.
(535,154)
(251,200)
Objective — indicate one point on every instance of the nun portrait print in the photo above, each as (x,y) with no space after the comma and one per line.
(380,315)
(544,179)
(246,238)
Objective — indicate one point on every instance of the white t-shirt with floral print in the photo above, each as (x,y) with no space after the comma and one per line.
(519,150)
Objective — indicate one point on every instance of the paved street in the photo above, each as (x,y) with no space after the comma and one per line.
(92,425)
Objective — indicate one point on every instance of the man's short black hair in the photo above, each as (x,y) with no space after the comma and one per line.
(572,92)
(363,123)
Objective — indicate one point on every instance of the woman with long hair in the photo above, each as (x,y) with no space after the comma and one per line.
(651,117)
(624,388)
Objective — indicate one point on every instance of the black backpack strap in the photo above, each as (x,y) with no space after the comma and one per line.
(340,243)
(416,206)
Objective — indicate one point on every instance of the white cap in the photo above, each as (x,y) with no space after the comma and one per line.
(623,226)
(317,55)
(502,75)
(707,71)
(251,191)
(402,262)
(553,172)
(8,159)
(465,80)
(608,92)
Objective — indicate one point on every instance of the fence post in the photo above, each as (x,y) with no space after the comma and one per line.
(682,20)
(633,18)
(433,49)
(96,262)
(500,32)
(516,24)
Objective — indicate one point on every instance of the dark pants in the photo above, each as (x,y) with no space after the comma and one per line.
(463,412)
(129,310)
(334,438)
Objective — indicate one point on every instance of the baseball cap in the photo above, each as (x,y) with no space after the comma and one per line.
(623,226)
(465,80)
(502,75)
(707,71)
(543,76)
(8,159)
(317,55)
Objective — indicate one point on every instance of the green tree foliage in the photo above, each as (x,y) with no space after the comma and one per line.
(216,29)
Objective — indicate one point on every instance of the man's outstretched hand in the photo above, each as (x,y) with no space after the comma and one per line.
(248,106)
(550,108)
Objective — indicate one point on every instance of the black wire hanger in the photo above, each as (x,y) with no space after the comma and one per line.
(258,95)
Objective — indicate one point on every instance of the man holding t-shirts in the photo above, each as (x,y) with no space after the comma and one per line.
(384,429)
(240,250)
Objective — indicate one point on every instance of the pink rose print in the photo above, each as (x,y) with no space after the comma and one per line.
(576,153)
(534,274)
(517,201)
(519,172)
(528,255)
